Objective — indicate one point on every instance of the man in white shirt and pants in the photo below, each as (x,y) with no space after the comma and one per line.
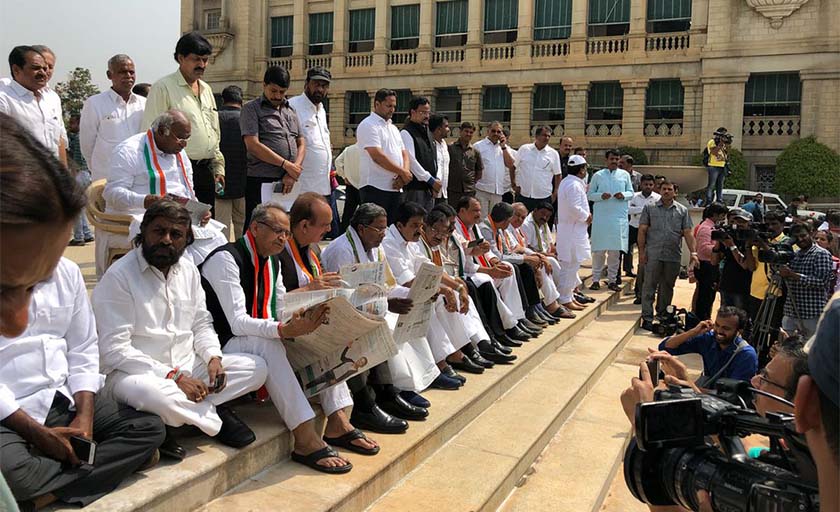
(536,166)
(110,117)
(157,342)
(347,166)
(642,198)
(498,160)
(439,127)
(573,217)
(312,118)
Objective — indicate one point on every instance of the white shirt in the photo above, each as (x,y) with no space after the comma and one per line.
(347,165)
(535,170)
(150,323)
(572,211)
(58,351)
(129,182)
(442,151)
(42,116)
(537,237)
(376,132)
(107,119)
(403,258)
(315,176)
(638,203)
(222,272)
(417,170)
(495,178)
(340,253)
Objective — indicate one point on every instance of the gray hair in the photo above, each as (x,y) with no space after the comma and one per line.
(163,123)
(117,59)
(42,49)
(260,213)
(366,214)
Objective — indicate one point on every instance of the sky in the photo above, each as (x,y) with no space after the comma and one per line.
(86,33)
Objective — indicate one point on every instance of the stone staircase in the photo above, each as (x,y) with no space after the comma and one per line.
(478,443)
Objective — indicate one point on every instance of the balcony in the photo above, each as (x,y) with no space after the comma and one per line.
(448,56)
(498,52)
(668,42)
(358,60)
(770,132)
(284,62)
(558,129)
(663,127)
(399,58)
(603,128)
(607,45)
(549,49)
(319,60)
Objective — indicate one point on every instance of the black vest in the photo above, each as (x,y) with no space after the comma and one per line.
(424,152)
(246,280)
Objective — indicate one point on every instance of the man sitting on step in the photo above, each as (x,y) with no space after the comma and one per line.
(157,342)
(245,294)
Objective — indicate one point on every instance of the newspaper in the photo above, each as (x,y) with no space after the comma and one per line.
(351,342)
(295,301)
(197,209)
(415,323)
(363,273)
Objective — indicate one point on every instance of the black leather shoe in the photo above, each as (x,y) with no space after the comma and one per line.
(466,365)
(532,332)
(637,301)
(514,334)
(475,355)
(397,406)
(498,347)
(531,326)
(170,448)
(647,325)
(512,342)
(629,273)
(595,286)
(452,374)
(534,318)
(377,420)
(614,287)
(545,315)
(235,433)
(583,299)
(489,352)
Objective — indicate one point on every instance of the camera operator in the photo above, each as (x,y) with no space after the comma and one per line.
(707,273)
(715,158)
(725,353)
(817,406)
(735,277)
(775,222)
(806,280)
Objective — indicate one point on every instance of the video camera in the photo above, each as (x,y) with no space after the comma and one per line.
(720,233)
(725,137)
(671,322)
(777,254)
(670,458)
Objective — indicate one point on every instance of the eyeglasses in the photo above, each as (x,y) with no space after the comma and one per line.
(762,376)
(285,233)
(378,231)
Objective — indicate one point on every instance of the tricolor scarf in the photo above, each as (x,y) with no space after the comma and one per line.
(314,269)
(545,234)
(264,303)
(356,252)
(466,232)
(157,177)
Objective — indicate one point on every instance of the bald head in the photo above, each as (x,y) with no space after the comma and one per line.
(520,212)
(172,130)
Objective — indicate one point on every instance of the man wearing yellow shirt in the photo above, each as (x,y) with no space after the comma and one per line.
(718,153)
(184,90)
(760,285)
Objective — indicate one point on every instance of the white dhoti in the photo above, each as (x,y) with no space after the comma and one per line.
(458,327)
(509,302)
(413,368)
(157,395)
(548,288)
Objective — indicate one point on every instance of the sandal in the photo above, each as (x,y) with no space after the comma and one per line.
(346,441)
(312,459)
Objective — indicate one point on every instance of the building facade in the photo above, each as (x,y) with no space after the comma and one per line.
(661,75)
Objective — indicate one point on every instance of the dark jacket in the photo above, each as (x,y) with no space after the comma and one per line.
(232,147)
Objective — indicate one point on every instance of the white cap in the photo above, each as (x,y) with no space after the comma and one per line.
(576,160)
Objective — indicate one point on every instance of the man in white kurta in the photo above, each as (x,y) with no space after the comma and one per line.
(312,119)
(497,158)
(573,217)
(146,167)
(157,344)
(439,126)
(536,166)
(611,190)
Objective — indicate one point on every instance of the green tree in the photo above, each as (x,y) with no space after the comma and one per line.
(808,167)
(638,154)
(738,166)
(75,91)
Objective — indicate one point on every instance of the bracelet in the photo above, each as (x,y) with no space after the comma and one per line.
(283,164)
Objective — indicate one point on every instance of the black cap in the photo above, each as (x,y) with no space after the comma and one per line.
(318,73)
(824,352)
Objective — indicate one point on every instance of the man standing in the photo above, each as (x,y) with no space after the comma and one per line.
(756,207)
(81,233)
(661,229)
(573,217)
(498,163)
(110,117)
(565,151)
(230,202)
(312,120)
(384,164)
(626,163)
(735,275)
(25,98)
(465,165)
(611,191)
(716,157)
(536,166)
(640,199)
(186,91)
(347,166)
(276,147)
(807,279)
(439,127)
(417,138)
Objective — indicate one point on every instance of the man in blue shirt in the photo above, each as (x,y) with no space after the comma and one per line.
(718,343)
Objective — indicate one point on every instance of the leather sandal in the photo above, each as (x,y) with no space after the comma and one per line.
(326,452)
(346,441)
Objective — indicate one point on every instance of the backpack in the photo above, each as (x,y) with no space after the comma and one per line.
(706,156)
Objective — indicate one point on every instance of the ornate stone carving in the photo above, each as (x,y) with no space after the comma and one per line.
(219,40)
(776,10)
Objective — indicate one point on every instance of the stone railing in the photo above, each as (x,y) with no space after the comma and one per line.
(319,60)
(358,60)
(548,49)
(557,128)
(606,45)
(603,128)
(445,56)
(776,126)
(674,41)
(498,52)
(663,127)
(283,62)
(402,57)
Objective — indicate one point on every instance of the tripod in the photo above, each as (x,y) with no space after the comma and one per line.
(765,333)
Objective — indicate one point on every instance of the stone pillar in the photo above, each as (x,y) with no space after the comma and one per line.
(633,112)
(224,22)
(520,113)
(576,97)
(723,105)
(340,36)
(820,115)
(300,39)
(719,23)
(470,104)
(638,29)
(380,41)
(475,24)
(692,110)
(427,35)
(338,118)
(188,16)
(577,39)
(525,32)
(699,22)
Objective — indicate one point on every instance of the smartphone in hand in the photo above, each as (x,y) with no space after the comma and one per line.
(85,449)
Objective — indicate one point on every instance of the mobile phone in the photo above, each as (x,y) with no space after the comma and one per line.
(474,243)
(278,187)
(219,384)
(85,449)
(654,368)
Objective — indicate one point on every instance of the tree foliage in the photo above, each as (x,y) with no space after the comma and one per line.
(808,167)
(75,91)
(737,164)
(638,154)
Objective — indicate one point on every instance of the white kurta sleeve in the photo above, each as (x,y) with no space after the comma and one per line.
(416,169)
(81,338)
(118,194)
(205,340)
(88,129)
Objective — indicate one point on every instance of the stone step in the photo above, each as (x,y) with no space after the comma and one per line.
(298,488)
(480,466)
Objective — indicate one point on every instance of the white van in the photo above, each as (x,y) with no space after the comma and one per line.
(734,197)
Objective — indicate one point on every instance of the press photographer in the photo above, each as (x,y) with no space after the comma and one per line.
(715,158)
(806,280)
(731,244)
(707,273)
